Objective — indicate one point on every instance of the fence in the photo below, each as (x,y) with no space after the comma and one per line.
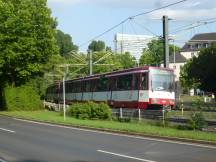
(137,113)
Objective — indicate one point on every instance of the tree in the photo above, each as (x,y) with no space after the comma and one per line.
(105,65)
(65,43)
(97,46)
(153,54)
(26,39)
(200,71)
(126,60)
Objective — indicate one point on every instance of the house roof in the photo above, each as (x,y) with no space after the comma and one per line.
(204,37)
(199,39)
(178,58)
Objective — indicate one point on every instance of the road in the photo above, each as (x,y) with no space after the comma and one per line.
(23,141)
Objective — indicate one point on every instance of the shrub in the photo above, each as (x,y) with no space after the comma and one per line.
(90,110)
(197,121)
(22,98)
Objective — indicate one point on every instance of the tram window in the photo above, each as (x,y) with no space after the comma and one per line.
(124,82)
(66,87)
(144,81)
(84,86)
(113,83)
(93,84)
(135,81)
(102,84)
(77,87)
(87,86)
(74,87)
(70,87)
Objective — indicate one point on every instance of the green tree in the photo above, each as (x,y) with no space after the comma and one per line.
(97,46)
(153,54)
(65,43)
(106,64)
(26,39)
(200,71)
(126,60)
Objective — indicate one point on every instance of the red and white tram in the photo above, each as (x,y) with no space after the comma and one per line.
(142,87)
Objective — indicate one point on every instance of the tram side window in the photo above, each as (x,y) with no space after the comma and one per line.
(77,87)
(67,87)
(93,84)
(124,82)
(144,81)
(113,83)
(136,81)
(87,86)
(70,87)
(102,84)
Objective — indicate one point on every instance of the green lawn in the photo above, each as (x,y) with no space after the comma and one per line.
(136,127)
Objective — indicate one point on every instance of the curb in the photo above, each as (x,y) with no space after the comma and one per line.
(210,143)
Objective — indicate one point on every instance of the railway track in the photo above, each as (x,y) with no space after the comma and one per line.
(185,120)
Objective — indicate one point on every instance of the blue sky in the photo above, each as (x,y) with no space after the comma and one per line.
(84,19)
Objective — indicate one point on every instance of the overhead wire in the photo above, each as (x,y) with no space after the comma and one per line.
(142,26)
(194,25)
(131,17)
(121,23)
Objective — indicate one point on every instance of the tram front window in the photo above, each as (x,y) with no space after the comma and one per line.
(162,80)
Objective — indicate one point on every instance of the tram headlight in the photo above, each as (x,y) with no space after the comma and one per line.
(172,102)
(154,101)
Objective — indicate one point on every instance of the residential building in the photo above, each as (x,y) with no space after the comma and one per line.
(189,50)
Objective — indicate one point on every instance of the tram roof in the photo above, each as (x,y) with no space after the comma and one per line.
(119,73)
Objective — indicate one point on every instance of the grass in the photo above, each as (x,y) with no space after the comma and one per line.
(186,114)
(136,127)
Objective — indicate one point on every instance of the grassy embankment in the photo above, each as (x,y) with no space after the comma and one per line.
(136,127)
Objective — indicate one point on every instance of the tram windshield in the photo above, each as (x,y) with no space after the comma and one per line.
(162,80)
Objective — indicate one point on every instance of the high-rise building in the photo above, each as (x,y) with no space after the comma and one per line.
(131,43)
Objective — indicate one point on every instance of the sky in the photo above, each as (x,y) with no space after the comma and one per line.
(85,19)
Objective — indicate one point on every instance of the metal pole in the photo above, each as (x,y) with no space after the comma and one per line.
(163,111)
(120,113)
(166,42)
(64,98)
(139,114)
(90,62)
(174,54)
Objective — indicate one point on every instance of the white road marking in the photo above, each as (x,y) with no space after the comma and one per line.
(125,156)
(121,135)
(7,130)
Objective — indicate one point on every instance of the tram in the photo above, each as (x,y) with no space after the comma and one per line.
(142,87)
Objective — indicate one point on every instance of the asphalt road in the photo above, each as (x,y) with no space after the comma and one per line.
(22,141)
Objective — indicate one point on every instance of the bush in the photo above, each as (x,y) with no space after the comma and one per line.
(90,110)
(197,121)
(22,98)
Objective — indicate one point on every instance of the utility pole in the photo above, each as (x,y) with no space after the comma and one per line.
(64,106)
(90,62)
(166,41)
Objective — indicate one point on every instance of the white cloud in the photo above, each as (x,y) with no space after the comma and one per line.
(113,3)
(189,10)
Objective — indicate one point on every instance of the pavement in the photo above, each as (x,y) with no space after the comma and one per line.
(26,141)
